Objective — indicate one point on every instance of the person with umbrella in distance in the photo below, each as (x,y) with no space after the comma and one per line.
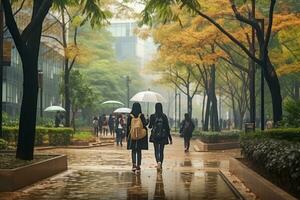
(160,133)
(137,137)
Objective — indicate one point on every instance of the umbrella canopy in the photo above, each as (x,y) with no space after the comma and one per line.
(113,102)
(55,109)
(148,96)
(122,110)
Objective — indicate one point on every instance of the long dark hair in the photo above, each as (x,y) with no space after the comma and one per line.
(136,109)
(187,117)
(158,109)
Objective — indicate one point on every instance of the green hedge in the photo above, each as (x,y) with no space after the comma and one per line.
(289,134)
(3,144)
(54,136)
(215,137)
(279,159)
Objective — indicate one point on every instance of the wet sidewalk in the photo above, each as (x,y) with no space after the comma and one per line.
(105,173)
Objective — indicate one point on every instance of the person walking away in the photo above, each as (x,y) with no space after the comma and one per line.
(137,137)
(111,125)
(100,122)
(119,129)
(160,133)
(105,126)
(186,129)
(57,119)
(95,125)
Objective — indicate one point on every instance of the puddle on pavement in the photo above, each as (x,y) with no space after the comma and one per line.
(150,184)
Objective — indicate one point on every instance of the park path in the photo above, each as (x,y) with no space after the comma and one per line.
(104,173)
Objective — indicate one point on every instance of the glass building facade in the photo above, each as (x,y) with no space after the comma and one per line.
(125,40)
(50,64)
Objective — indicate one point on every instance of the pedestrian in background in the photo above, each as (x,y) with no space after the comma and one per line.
(100,122)
(95,125)
(119,129)
(137,138)
(186,130)
(111,125)
(160,133)
(104,125)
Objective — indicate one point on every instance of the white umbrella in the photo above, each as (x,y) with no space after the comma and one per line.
(148,96)
(122,110)
(55,109)
(113,102)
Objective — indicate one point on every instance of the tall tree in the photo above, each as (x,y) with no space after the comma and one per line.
(165,12)
(28,45)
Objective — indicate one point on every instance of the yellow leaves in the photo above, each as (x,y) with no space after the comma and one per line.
(77,21)
(288,69)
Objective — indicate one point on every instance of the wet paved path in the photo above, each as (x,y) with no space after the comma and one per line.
(105,173)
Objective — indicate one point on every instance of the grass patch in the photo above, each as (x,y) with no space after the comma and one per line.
(83,136)
(9,161)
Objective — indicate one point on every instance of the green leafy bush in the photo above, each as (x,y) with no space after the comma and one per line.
(8,121)
(3,144)
(292,113)
(279,159)
(289,134)
(215,137)
(52,136)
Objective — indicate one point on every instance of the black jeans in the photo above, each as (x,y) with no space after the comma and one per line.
(136,156)
(119,134)
(159,152)
(187,143)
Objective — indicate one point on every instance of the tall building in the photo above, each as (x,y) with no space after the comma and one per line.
(50,66)
(125,40)
(127,45)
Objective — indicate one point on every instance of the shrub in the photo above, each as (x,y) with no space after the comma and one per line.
(279,159)
(3,144)
(289,134)
(54,136)
(215,137)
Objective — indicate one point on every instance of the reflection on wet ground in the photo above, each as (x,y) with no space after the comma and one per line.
(104,173)
(150,184)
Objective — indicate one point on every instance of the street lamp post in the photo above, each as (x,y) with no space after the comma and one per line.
(128,80)
(40,82)
(252,73)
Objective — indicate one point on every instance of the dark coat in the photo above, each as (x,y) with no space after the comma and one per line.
(165,126)
(187,131)
(141,144)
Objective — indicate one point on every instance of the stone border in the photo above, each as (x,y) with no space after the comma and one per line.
(14,179)
(216,146)
(263,188)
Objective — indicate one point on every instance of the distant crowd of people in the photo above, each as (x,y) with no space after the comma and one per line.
(134,127)
(113,125)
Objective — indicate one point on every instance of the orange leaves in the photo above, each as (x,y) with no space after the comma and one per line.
(284,21)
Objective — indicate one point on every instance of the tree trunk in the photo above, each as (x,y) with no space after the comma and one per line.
(25,146)
(203,109)
(207,113)
(67,93)
(190,106)
(274,86)
(214,113)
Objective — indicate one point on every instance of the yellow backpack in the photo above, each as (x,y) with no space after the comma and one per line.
(137,130)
